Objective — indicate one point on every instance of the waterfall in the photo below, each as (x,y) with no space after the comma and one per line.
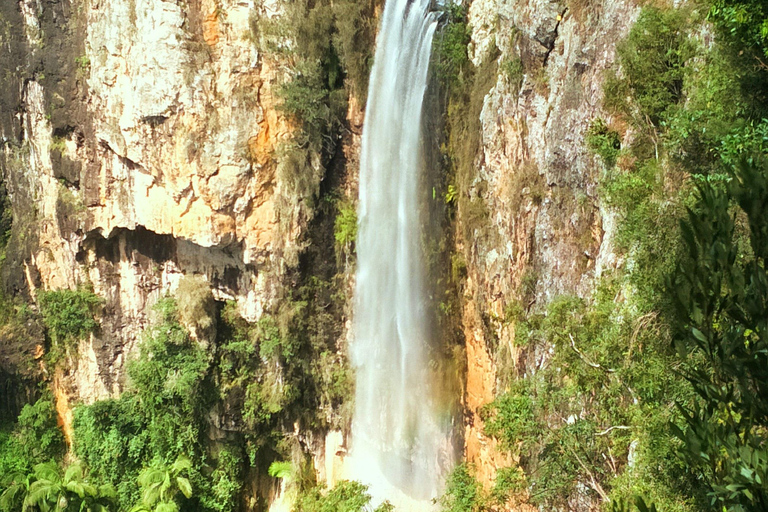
(400,441)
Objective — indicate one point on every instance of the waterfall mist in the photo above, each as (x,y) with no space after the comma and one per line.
(401,443)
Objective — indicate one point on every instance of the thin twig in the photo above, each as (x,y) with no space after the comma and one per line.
(615,427)
(595,485)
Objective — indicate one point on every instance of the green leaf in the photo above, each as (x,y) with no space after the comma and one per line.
(184,486)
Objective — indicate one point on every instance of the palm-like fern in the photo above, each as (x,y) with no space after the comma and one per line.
(16,486)
(161,485)
(53,492)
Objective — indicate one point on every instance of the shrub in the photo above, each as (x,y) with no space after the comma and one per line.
(68,314)
(721,299)
(743,22)
(603,142)
(196,306)
(158,418)
(354,40)
(38,432)
(345,229)
(653,59)
(449,50)
(513,70)
(462,492)
(511,419)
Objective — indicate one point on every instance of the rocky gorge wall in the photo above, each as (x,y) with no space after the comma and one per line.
(547,232)
(140,144)
(141,149)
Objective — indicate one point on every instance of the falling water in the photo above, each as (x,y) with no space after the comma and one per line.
(399,442)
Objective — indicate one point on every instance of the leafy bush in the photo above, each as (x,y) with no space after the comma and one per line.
(35,438)
(462,492)
(345,228)
(38,432)
(346,496)
(603,141)
(653,59)
(513,70)
(721,298)
(68,314)
(449,49)
(592,397)
(308,99)
(160,417)
(744,22)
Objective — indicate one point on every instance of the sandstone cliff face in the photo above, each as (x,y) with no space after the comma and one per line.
(142,149)
(547,232)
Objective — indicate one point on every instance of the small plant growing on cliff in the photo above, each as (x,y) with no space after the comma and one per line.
(345,230)
(463,493)
(513,70)
(69,314)
(603,141)
(196,307)
(450,47)
(653,59)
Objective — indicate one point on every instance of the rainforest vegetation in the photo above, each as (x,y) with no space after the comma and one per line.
(654,397)
(656,393)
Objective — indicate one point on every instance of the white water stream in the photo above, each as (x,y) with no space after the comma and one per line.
(400,442)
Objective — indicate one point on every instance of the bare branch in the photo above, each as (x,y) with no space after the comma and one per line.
(616,427)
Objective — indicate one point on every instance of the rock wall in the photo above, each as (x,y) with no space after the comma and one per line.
(547,231)
(142,148)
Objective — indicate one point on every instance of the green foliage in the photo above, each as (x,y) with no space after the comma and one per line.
(466,92)
(721,296)
(281,470)
(354,40)
(58,144)
(462,492)
(653,59)
(743,22)
(638,505)
(83,62)
(346,496)
(592,397)
(13,458)
(36,437)
(226,483)
(38,432)
(603,141)
(513,70)
(196,306)
(170,368)
(512,420)
(327,44)
(159,418)
(449,50)
(310,100)
(52,491)
(345,228)
(68,314)
(161,486)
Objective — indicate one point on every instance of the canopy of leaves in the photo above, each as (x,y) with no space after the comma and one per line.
(721,293)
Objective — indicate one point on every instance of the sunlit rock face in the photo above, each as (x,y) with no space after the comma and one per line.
(146,150)
(548,231)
